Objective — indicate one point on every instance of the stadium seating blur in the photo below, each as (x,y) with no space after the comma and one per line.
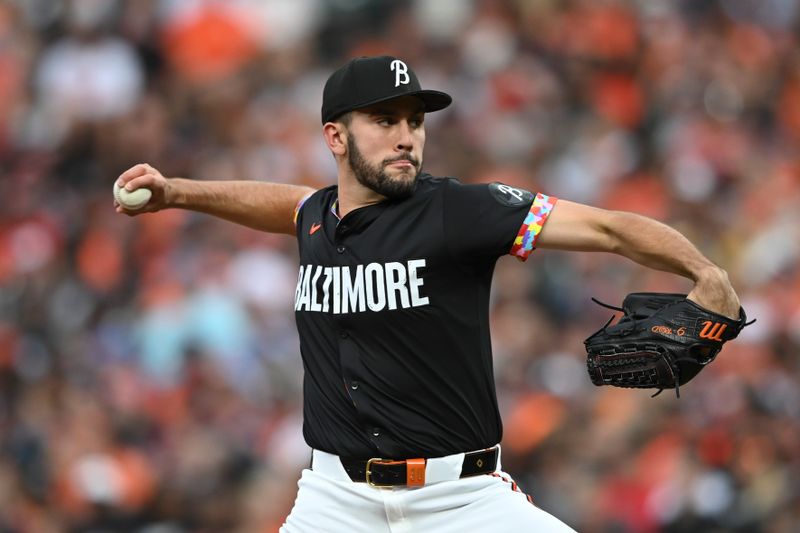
(150,377)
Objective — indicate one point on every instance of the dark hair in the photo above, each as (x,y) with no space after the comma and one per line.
(345,118)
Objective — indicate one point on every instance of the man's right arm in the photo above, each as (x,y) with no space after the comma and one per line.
(258,205)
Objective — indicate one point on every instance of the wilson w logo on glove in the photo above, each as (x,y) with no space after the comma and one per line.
(712,330)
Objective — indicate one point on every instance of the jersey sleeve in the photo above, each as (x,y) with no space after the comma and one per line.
(486,221)
(299,206)
(525,241)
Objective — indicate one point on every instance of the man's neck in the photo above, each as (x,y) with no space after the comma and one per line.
(353,195)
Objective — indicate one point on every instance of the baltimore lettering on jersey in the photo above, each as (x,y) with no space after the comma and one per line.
(356,289)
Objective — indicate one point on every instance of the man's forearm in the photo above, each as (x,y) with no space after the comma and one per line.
(573,226)
(262,206)
(655,245)
(658,246)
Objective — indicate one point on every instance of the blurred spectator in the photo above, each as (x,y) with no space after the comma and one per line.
(88,74)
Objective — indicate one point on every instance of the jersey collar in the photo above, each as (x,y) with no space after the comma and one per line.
(359,219)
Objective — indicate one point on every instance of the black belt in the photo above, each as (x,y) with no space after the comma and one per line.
(411,472)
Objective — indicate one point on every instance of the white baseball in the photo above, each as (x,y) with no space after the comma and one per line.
(133,200)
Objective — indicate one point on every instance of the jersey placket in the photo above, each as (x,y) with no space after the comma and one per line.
(349,352)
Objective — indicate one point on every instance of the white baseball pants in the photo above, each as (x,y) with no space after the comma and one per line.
(328,501)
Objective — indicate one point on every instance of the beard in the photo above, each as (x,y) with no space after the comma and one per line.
(376,179)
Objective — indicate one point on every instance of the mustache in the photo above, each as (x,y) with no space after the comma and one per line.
(406,156)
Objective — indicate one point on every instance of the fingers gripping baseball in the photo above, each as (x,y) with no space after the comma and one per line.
(132,197)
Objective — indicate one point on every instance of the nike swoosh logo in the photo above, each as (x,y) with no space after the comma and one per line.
(314,228)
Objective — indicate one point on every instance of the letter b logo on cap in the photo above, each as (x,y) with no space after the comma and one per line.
(400,70)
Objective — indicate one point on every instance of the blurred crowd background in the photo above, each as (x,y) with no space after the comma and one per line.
(150,377)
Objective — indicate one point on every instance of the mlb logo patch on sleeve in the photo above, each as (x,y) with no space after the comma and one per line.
(510,196)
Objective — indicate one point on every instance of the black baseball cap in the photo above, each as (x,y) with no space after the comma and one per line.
(365,81)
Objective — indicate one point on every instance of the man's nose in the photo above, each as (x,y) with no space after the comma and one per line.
(405,139)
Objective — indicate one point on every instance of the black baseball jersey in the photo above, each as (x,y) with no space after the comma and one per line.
(392,310)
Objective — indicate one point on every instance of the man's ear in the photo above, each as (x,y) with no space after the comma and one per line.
(335,135)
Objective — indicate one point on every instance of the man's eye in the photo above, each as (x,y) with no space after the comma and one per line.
(385,121)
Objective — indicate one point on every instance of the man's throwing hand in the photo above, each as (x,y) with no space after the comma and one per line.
(142,176)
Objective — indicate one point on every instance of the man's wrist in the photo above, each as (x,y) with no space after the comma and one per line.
(711,274)
(707,273)
(713,290)
(174,194)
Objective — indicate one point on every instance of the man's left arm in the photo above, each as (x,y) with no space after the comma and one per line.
(574,226)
